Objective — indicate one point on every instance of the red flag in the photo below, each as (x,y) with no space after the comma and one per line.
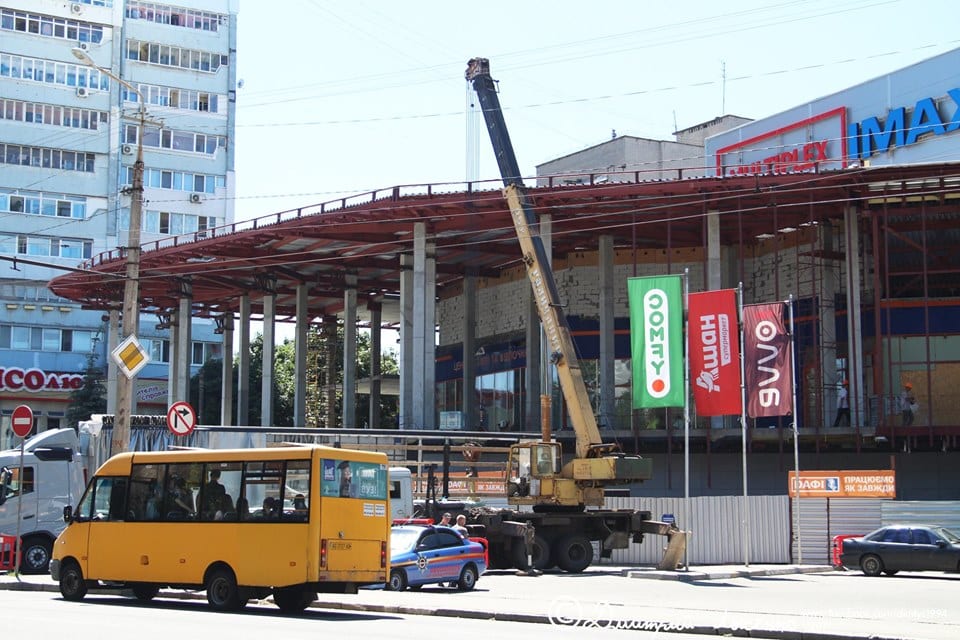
(715,352)
(766,360)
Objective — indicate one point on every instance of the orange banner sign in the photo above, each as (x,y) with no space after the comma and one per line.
(844,484)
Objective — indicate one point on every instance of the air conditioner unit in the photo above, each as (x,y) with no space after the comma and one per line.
(83,46)
(127,149)
(82,92)
(195,198)
(76,7)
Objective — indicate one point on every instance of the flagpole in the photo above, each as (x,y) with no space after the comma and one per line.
(743,432)
(796,437)
(686,412)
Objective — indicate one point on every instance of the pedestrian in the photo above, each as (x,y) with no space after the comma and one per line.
(461,526)
(843,407)
(445,520)
(908,404)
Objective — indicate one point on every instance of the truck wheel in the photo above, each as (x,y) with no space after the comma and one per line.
(36,555)
(72,585)
(222,591)
(573,553)
(541,554)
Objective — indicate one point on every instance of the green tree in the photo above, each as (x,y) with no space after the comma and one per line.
(206,391)
(209,380)
(91,398)
(283,382)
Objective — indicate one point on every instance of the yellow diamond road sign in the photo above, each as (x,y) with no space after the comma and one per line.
(130,356)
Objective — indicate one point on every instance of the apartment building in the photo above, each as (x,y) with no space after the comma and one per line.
(69,133)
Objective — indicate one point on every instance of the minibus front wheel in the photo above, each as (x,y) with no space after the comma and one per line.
(72,585)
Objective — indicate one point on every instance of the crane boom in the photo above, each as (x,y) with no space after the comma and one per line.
(545,293)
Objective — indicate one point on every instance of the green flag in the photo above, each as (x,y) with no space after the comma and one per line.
(656,341)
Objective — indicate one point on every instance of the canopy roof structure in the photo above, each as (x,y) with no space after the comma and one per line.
(364,236)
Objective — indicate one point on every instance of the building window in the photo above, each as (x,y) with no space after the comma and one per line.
(51,72)
(58,205)
(45,339)
(52,115)
(175,16)
(204,351)
(37,156)
(159,350)
(176,140)
(183,58)
(49,26)
(179,181)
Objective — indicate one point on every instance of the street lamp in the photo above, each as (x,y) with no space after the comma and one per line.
(131,287)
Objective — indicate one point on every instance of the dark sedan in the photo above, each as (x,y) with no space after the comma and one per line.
(903,548)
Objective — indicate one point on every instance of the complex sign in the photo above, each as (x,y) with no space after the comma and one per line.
(844,484)
(828,141)
(819,144)
(38,380)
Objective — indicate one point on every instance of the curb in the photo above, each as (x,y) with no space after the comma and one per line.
(697,576)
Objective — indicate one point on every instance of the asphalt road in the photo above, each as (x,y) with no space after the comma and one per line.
(822,605)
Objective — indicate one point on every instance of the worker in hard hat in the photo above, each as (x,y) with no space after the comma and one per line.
(908,404)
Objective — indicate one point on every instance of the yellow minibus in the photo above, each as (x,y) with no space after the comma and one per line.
(241,524)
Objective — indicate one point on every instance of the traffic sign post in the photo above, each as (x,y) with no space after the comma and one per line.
(22,423)
(181,418)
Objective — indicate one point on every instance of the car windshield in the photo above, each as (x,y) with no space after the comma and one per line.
(403,540)
(948,535)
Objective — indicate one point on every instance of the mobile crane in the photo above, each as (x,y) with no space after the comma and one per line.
(560,493)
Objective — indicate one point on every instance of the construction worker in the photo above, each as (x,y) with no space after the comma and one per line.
(843,406)
(908,404)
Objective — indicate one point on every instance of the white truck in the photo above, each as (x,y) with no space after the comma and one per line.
(53,478)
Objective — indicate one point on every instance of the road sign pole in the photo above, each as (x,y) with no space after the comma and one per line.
(22,423)
(17,547)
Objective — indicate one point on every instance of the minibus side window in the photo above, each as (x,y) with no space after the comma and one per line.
(110,499)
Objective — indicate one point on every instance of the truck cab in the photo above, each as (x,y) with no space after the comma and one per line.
(51,478)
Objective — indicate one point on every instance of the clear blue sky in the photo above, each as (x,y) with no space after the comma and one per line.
(340,98)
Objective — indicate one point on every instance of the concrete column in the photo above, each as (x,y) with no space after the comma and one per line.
(854,319)
(243,364)
(184,343)
(714,249)
(828,330)
(406,342)
(714,278)
(269,350)
(300,348)
(546,368)
(113,339)
(471,412)
(607,356)
(376,356)
(349,404)
(424,329)
(226,371)
(173,382)
(330,370)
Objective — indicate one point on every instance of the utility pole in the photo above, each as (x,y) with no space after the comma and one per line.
(131,288)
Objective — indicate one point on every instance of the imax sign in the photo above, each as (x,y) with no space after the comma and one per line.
(903,127)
